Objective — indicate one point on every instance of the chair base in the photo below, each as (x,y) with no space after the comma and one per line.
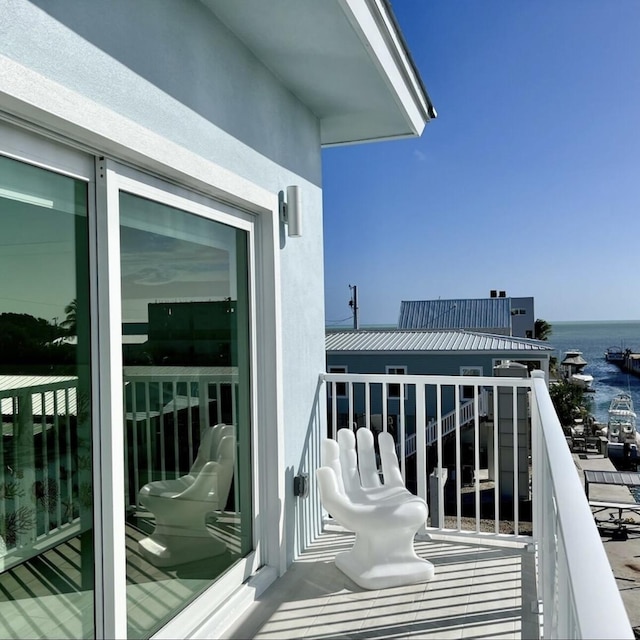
(382,576)
(169,550)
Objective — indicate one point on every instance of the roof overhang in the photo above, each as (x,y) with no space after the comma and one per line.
(346,60)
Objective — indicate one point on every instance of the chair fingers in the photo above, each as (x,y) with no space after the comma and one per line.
(349,461)
(389,459)
(367,459)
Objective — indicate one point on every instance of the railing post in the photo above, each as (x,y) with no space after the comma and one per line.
(538,477)
(458,458)
(401,432)
(421,442)
(25,469)
(439,467)
(476,459)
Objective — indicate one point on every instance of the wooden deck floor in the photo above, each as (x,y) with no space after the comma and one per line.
(479,591)
(44,597)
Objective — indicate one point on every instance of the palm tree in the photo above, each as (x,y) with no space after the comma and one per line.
(542,329)
(70,322)
(569,401)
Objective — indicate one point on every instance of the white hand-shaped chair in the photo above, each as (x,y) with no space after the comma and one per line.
(385,517)
(181,505)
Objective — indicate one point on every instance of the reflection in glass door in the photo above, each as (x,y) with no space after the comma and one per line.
(46,511)
(185,328)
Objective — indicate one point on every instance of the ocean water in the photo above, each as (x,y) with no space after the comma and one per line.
(593,338)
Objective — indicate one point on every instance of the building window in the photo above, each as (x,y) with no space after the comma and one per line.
(341,387)
(467,390)
(393,390)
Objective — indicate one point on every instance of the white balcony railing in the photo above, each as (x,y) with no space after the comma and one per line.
(511,477)
(510,474)
(45,472)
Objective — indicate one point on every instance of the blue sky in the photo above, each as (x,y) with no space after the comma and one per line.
(528,181)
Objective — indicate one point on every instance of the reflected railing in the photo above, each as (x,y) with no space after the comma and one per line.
(45,458)
(166,411)
(45,462)
(503,474)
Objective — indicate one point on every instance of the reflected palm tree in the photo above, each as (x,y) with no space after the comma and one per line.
(70,322)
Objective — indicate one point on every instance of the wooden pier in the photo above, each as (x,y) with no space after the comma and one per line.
(630,363)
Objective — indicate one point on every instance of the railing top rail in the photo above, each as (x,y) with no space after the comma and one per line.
(183,374)
(9,390)
(483,381)
(592,581)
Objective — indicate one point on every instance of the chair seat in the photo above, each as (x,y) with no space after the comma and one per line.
(166,488)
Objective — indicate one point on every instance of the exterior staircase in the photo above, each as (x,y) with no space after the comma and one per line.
(467,415)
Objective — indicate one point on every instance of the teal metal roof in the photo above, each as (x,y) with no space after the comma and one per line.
(398,340)
(475,314)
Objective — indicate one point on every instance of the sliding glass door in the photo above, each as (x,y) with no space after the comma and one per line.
(185,333)
(46,491)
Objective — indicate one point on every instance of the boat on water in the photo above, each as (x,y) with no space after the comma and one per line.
(623,439)
(614,354)
(621,427)
(573,363)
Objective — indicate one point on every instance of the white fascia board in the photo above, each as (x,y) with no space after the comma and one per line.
(371,22)
(366,140)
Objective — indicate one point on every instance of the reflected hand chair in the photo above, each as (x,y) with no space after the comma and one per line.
(181,505)
(384,516)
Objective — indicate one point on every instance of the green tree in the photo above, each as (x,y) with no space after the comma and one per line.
(542,329)
(569,401)
(26,341)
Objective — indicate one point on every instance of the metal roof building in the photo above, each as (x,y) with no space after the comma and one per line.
(484,313)
(500,315)
(424,352)
(435,341)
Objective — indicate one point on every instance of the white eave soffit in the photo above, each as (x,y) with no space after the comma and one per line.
(344,59)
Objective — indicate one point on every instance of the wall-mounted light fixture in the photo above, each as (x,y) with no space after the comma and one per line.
(290,210)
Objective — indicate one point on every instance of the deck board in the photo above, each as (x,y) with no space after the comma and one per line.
(479,591)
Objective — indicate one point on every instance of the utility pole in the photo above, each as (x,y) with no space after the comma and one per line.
(353,303)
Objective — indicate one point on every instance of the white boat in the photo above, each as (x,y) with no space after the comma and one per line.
(622,420)
(583,380)
(573,363)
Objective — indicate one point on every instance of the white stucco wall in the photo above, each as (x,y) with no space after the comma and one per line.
(172,68)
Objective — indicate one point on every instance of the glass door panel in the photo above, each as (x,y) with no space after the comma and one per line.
(46,510)
(185,328)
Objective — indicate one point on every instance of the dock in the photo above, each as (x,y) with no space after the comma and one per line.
(629,363)
(623,551)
